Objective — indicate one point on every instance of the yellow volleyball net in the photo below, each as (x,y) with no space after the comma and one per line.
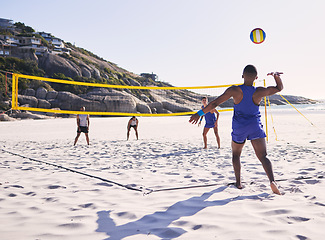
(109,100)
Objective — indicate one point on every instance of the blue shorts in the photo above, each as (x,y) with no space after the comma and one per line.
(209,125)
(249,132)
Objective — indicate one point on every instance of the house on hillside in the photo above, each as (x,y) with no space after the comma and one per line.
(46,36)
(32,43)
(11,40)
(6,23)
(54,41)
(57,43)
(5,48)
(153,76)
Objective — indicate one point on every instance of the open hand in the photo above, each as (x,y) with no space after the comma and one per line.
(194,118)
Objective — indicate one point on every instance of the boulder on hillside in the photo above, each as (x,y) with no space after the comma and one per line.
(42,103)
(133,82)
(54,103)
(156,107)
(29,92)
(5,118)
(30,100)
(85,70)
(145,98)
(70,101)
(24,53)
(100,91)
(51,95)
(55,64)
(95,72)
(173,107)
(41,93)
(93,97)
(120,104)
(143,108)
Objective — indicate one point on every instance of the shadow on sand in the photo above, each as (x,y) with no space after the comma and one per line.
(157,223)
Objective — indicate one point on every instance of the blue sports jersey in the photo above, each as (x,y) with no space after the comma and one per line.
(246,122)
(210,119)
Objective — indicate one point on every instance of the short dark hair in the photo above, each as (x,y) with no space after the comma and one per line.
(250,69)
(204,98)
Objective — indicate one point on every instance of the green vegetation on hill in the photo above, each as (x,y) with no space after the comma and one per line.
(23,28)
(17,65)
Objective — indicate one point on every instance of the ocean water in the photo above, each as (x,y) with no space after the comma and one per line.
(301,107)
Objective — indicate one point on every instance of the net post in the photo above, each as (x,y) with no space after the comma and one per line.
(6,84)
(266,129)
(13,89)
(17,77)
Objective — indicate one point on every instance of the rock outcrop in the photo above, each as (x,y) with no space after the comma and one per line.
(52,64)
(5,118)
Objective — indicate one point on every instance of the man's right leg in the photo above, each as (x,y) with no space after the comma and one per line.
(76,139)
(205,139)
(236,152)
(128,134)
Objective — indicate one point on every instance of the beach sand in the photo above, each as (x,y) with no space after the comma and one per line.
(41,201)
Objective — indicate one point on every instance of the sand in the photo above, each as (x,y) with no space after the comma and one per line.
(41,201)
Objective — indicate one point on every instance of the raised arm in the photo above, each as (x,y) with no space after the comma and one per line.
(263,92)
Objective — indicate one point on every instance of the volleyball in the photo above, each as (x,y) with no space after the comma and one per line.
(257,35)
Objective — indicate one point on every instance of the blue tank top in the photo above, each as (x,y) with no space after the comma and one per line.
(210,118)
(246,112)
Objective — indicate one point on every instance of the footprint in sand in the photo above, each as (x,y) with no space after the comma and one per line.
(71,225)
(30,194)
(298,219)
(55,186)
(88,205)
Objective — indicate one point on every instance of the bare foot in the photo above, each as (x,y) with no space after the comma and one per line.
(238,185)
(274,188)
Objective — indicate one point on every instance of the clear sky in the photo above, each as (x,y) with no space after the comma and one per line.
(192,42)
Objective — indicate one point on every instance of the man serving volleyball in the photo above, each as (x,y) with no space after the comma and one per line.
(246,123)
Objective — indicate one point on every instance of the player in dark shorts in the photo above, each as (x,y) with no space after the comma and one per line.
(83,125)
(133,123)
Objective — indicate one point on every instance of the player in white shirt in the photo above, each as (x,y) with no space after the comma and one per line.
(83,125)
